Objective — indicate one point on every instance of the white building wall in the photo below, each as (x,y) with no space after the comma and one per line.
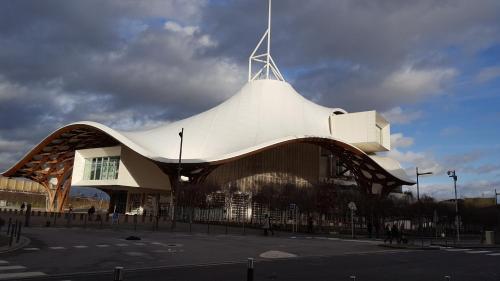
(359,129)
(134,170)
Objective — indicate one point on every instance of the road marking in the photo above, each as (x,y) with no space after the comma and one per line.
(102,245)
(139,244)
(11,267)
(494,254)
(478,252)
(31,249)
(277,255)
(456,250)
(80,246)
(57,248)
(121,245)
(4,276)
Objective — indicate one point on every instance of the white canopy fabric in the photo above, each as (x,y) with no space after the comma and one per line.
(263,113)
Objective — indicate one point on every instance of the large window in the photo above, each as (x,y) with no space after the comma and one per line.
(101,168)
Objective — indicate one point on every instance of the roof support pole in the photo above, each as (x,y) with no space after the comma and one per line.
(268,40)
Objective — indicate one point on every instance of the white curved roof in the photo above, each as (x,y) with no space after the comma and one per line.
(263,113)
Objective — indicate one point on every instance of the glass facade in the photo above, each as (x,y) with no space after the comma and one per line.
(101,168)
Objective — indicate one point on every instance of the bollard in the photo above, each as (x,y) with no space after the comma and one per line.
(9,225)
(14,229)
(11,239)
(250,269)
(118,274)
(55,217)
(135,222)
(18,233)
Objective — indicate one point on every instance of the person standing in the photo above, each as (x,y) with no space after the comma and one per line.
(23,205)
(310,224)
(388,236)
(395,233)
(271,229)
(91,212)
(267,225)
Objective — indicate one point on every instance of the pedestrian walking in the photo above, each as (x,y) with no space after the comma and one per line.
(267,225)
(91,212)
(310,224)
(271,228)
(395,233)
(388,235)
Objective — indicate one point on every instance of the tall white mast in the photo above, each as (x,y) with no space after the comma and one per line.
(269,68)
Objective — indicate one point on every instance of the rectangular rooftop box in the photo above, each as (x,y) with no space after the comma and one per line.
(366,130)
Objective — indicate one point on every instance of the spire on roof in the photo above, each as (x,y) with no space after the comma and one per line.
(268,68)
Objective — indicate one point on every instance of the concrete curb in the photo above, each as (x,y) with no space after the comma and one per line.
(23,242)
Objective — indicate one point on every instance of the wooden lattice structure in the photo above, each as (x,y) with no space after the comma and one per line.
(51,162)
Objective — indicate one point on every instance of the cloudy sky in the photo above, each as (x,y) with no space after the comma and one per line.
(431,66)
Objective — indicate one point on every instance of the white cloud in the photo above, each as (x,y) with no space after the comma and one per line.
(488,73)
(186,30)
(10,90)
(464,189)
(398,140)
(396,115)
(8,145)
(410,159)
(415,83)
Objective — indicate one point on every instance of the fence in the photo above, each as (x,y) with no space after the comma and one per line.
(189,219)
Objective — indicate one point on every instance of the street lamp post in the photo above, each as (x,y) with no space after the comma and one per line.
(453,175)
(418,188)
(178,183)
(418,202)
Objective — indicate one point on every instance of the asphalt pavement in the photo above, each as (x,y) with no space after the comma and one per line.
(90,254)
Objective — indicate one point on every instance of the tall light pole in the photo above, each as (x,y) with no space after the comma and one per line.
(453,175)
(181,135)
(418,201)
(418,189)
(178,183)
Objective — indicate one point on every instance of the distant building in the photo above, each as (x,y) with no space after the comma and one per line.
(479,202)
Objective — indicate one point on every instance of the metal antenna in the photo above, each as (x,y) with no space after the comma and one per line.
(264,58)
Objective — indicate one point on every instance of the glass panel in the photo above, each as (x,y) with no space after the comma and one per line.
(104,169)
(101,168)
(92,169)
(116,161)
(88,167)
(98,169)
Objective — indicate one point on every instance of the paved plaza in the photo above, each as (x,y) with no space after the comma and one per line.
(90,254)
